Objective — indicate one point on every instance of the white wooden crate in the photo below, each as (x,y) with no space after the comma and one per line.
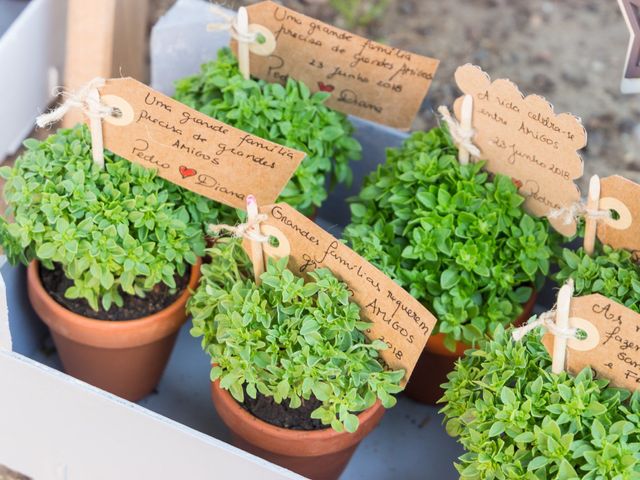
(31,62)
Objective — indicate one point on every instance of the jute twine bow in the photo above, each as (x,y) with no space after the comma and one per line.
(87,99)
(578,210)
(81,99)
(462,135)
(244,230)
(230,24)
(546,321)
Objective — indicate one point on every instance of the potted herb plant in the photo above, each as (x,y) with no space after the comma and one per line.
(112,255)
(516,419)
(293,375)
(610,272)
(457,239)
(289,115)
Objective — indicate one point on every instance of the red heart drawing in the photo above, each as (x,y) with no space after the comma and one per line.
(324,87)
(186,172)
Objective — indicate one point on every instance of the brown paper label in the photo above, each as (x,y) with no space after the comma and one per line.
(620,195)
(365,78)
(612,347)
(523,138)
(397,318)
(191,149)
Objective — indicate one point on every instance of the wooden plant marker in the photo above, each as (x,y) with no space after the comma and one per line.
(243,45)
(462,133)
(257,256)
(593,205)
(562,323)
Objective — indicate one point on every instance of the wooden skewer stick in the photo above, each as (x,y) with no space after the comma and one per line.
(257,255)
(95,125)
(242,25)
(591,223)
(562,322)
(465,123)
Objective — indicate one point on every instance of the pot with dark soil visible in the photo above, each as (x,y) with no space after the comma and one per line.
(305,446)
(125,356)
(437,361)
(294,377)
(112,254)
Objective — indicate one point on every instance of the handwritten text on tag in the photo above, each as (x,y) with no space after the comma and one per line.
(191,149)
(523,138)
(365,78)
(612,346)
(397,318)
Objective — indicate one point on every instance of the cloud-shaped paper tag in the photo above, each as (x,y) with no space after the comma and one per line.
(523,138)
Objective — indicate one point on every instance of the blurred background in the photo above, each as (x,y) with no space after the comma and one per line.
(570,51)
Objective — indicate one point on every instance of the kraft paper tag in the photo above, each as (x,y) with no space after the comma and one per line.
(191,149)
(620,196)
(523,138)
(365,78)
(397,318)
(612,346)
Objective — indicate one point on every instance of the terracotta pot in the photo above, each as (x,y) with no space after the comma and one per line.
(316,454)
(436,361)
(124,357)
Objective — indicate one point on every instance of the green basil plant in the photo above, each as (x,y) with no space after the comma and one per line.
(289,115)
(610,272)
(517,420)
(112,230)
(288,338)
(452,235)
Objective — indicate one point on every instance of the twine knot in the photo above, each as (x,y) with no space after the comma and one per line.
(230,24)
(246,230)
(84,98)
(546,321)
(577,210)
(462,135)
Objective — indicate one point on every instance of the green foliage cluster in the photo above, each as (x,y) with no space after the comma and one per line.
(610,272)
(455,238)
(517,420)
(121,229)
(288,339)
(289,115)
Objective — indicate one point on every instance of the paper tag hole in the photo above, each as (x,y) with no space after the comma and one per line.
(621,217)
(587,335)
(265,43)
(122,113)
(278,245)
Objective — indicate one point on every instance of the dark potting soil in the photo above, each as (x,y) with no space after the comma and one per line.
(55,282)
(280,415)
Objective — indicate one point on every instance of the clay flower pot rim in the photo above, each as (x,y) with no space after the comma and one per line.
(108,333)
(280,434)
(435,344)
